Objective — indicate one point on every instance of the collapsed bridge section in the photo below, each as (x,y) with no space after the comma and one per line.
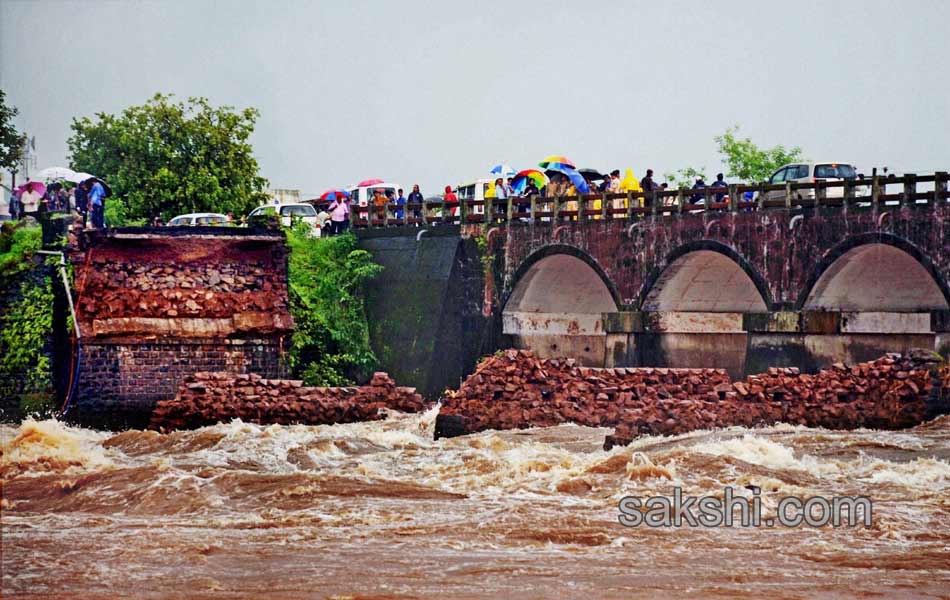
(157,304)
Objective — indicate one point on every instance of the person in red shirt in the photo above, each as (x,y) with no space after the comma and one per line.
(451,197)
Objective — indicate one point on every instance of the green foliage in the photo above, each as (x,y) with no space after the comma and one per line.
(750,163)
(17,244)
(116,214)
(11,141)
(684,178)
(167,158)
(487,260)
(25,326)
(330,345)
(40,405)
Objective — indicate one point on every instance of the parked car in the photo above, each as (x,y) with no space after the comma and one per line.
(193,219)
(810,173)
(289,212)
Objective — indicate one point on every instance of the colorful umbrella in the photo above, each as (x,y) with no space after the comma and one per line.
(503,170)
(55,173)
(556,160)
(580,184)
(368,182)
(331,195)
(520,180)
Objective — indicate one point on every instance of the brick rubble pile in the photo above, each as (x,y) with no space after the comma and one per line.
(515,390)
(209,398)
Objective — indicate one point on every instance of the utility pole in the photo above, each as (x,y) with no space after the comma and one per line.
(27,156)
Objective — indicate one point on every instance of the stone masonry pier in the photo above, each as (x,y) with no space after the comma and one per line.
(156,305)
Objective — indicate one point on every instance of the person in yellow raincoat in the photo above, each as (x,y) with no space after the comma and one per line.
(629,183)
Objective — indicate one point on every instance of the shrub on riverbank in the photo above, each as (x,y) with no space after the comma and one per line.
(26,323)
(330,344)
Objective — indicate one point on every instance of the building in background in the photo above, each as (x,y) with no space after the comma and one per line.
(284,196)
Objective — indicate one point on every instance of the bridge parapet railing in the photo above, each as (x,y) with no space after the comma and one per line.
(877,193)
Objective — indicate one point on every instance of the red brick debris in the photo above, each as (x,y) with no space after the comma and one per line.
(515,390)
(208,398)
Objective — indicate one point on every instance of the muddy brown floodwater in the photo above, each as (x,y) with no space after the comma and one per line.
(380,510)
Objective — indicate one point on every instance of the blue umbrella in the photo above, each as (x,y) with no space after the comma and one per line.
(580,184)
(503,170)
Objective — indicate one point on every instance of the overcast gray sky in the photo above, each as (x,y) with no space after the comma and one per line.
(437,92)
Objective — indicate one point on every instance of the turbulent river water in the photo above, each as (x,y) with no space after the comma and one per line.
(380,510)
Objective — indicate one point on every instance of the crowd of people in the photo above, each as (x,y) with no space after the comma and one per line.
(555,185)
(87,198)
(393,203)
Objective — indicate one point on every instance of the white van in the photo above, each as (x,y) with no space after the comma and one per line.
(476,190)
(810,173)
(362,197)
(288,212)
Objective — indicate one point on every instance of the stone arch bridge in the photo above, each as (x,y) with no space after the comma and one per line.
(741,290)
(805,275)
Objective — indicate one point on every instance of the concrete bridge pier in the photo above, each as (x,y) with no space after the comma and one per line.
(747,343)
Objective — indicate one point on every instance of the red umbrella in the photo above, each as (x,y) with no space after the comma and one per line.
(369,182)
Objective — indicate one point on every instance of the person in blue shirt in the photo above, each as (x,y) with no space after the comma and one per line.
(415,197)
(720,183)
(698,198)
(97,195)
(400,201)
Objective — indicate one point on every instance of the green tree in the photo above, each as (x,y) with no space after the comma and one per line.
(748,162)
(167,158)
(11,141)
(685,178)
(330,344)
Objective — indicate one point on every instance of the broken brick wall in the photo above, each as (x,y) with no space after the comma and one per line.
(155,305)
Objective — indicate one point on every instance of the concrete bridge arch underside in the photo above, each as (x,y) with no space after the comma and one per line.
(741,291)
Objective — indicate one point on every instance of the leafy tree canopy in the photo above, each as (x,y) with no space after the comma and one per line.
(750,163)
(685,178)
(11,141)
(167,158)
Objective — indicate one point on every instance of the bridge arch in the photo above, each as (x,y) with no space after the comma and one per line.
(694,306)
(705,276)
(875,272)
(556,303)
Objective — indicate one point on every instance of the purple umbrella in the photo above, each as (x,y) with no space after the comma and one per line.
(36,186)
